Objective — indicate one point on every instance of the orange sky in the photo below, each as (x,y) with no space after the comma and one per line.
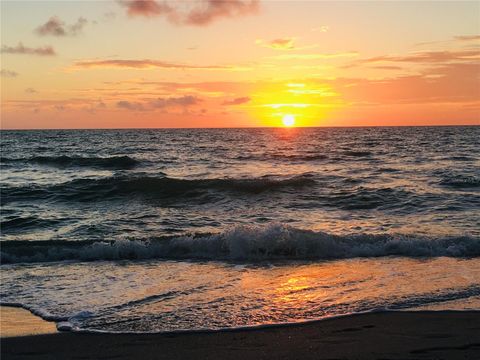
(236,63)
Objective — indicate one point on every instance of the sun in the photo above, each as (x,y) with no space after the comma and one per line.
(288,120)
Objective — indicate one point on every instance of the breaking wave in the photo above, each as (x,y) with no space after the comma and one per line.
(245,243)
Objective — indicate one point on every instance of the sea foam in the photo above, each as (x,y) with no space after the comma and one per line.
(246,243)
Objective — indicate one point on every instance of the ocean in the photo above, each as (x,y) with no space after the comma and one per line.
(187,229)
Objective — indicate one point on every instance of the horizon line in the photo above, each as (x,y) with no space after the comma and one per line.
(242,127)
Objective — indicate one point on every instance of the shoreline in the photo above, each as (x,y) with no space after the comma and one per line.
(392,335)
(18,321)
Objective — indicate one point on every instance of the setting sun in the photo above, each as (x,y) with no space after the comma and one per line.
(288,120)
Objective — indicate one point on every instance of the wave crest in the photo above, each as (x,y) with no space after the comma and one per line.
(246,243)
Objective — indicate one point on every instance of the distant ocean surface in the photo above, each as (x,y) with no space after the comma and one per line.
(186,229)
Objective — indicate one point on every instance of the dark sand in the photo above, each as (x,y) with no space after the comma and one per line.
(394,335)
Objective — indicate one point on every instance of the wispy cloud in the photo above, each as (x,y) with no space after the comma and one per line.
(426,57)
(454,40)
(8,73)
(387,67)
(56,27)
(128,105)
(21,49)
(278,44)
(467,37)
(314,56)
(181,102)
(30,90)
(323,28)
(237,101)
(148,8)
(145,64)
(201,13)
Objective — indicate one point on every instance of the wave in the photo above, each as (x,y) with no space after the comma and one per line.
(153,187)
(460,181)
(282,157)
(245,243)
(13,224)
(357,153)
(64,161)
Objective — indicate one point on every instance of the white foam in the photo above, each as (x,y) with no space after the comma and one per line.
(253,243)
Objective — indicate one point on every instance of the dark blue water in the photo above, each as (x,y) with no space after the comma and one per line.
(108,184)
(281,224)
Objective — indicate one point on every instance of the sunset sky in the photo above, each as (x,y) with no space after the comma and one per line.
(238,63)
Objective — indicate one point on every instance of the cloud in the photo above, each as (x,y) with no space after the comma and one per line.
(181,102)
(135,106)
(20,49)
(30,91)
(148,8)
(56,27)
(8,73)
(387,67)
(203,12)
(278,44)
(237,101)
(467,37)
(426,57)
(439,83)
(143,64)
(323,28)
(214,9)
(314,56)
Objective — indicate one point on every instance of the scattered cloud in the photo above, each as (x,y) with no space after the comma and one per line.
(438,83)
(8,73)
(200,13)
(144,64)
(387,67)
(21,49)
(128,105)
(278,44)
(237,101)
(323,28)
(314,56)
(287,43)
(181,102)
(426,57)
(148,8)
(456,39)
(56,27)
(30,91)
(467,37)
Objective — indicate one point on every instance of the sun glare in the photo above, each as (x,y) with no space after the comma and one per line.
(288,120)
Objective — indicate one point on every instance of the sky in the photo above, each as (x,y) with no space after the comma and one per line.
(238,63)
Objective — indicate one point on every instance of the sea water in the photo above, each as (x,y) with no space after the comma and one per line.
(186,229)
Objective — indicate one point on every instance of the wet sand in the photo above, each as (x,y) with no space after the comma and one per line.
(389,335)
(21,322)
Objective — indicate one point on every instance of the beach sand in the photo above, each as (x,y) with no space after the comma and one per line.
(388,335)
(20,322)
